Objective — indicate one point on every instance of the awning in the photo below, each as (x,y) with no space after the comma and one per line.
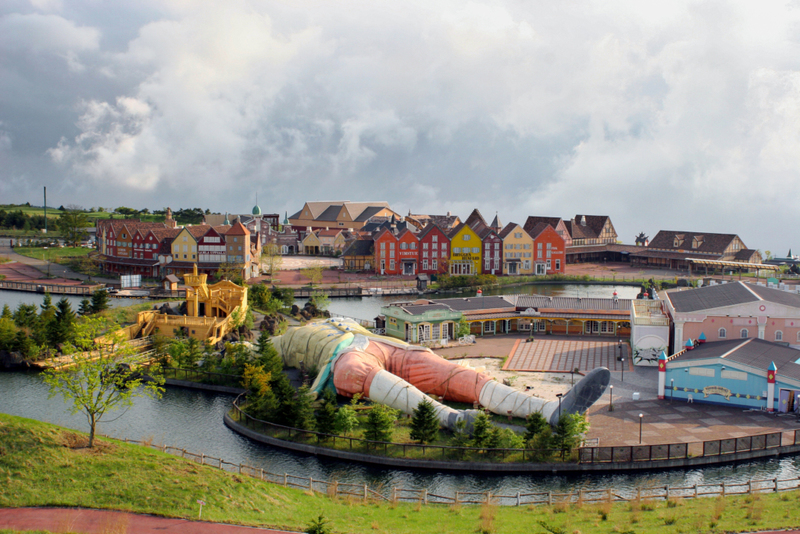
(735,264)
(514,260)
(408,260)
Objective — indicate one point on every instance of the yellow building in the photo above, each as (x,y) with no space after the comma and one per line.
(465,251)
(517,250)
(184,246)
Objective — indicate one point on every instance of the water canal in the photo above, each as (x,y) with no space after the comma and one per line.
(193,420)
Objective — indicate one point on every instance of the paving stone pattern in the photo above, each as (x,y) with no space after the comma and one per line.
(565,354)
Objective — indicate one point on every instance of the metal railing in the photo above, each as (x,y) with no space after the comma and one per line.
(414,451)
(200,376)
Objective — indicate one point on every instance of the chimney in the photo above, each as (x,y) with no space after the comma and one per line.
(449,214)
(583,220)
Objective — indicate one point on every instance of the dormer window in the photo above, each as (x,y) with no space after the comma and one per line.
(697,241)
(678,241)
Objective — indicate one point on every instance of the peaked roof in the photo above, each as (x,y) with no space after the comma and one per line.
(593,227)
(359,247)
(430,227)
(537,229)
(238,229)
(445,222)
(706,242)
(474,218)
(508,229)
(752,352)
(495,222)
(730,294)
(532,221)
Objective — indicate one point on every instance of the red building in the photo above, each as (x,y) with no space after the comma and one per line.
(386,253)
(492,251)
(549,250)
(434,250)
(408,252)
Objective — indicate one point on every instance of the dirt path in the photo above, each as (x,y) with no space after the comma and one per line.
(85,521)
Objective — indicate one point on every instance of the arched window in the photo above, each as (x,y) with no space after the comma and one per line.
(743,333)
(723,333)
(778,335)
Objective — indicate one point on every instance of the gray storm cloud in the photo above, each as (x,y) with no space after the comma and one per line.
(677,115)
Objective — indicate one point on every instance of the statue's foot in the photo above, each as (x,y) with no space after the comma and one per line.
(585,393)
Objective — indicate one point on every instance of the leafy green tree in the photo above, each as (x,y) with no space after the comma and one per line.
(72,224)
(193,354)
(104,382)
(326,413)
(480,430)
(346,420)
(99,301)
(320,300)
(463,328)
(424,423)
(461,437)
(314,274)
(85,307)
(7,313)
(568,432)
(8,334)
(379,425)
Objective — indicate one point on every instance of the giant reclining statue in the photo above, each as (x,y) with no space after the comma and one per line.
(352,360)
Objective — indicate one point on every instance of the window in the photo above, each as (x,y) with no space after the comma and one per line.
(444,253)
(526,264)
(435,238)
(391,246)
(404,246)
(424,246)
(497,246)
(487,246)
(424,253)
(456,250)
(778,336)
(518,235)
(444,248)
(548,265)
(539,254)
(486,265)
(391,265)
(743,334)
(549,245)
(466,237)
(433,265)
(558,265)
(383,246)
(424,265)
(538,246)
(413,245)
(476,250)
(391,253)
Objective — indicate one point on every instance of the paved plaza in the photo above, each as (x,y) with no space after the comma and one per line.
(565,353)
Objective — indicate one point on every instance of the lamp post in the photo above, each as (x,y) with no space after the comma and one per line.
(559,395)
(641,418)
(610,398)
(671,389)
(623,369)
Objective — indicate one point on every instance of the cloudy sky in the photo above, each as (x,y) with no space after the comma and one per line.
(664,115)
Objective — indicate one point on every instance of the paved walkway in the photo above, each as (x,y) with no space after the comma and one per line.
(565,353)
(85,521)
(56,271)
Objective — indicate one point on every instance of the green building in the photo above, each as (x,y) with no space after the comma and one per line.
(421,321)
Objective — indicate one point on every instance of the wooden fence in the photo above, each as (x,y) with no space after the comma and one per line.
(55,289)
(398,494)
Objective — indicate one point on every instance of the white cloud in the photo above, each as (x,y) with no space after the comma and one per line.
(678,113)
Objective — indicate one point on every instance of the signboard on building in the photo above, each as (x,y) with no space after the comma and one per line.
(130,280)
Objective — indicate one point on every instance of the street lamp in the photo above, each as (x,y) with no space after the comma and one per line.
(641,417)
(623,369)
(610,398)
(559,395)
(671,389)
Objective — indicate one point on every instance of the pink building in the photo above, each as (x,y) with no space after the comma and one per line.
(735,310)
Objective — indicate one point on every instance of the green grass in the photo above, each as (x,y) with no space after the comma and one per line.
(43,465)
(53,253)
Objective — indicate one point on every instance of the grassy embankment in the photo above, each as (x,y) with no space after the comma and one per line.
(41,465)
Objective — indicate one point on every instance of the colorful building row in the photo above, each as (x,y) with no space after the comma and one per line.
(469,248)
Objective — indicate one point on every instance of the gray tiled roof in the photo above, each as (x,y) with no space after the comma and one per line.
(778,296)
(419,309)
(753,351)
(570,303)
(476,303)
(730,294)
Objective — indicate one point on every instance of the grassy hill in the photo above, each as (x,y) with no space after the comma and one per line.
(44,465)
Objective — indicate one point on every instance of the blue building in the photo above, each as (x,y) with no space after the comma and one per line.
(751,373)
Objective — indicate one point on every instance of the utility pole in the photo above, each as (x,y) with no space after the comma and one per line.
(45,209)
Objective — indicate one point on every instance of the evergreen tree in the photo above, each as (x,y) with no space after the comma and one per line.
(24,345)
(261,400)
(424,423)
(480,430)
(99,301)
(570,428)
(286,414)
(268,356)
(26,316)
(7,313)
(85,308)
(8,334)
(379,425)
(460,437)
(305,409)
(535,425)
(193,353)
(326,414)
(61,329)
(47,303)
(345,421)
